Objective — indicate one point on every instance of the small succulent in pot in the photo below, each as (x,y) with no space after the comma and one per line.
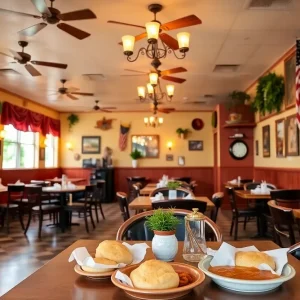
(182,133)
(173,185)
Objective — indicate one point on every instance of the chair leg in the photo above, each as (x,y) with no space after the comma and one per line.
(28,222)
(86,222)
(7,221)
(245,223)
(231,227)
(101,210)
(92,219)
(96,212)
(21,218)
(236,228)
(40,224)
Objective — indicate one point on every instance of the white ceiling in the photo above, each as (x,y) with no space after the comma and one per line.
(230,34)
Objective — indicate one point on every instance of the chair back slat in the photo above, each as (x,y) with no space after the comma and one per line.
(187,204)
(34,195)
(123,203)
(181,192)
(15,192)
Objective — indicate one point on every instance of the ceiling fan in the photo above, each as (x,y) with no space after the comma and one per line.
(176,24)
(24,58)
(70,92)
(52,16)
(164,110)
(162,74)
(104,109)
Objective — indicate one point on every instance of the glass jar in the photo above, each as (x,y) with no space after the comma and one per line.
(194,248)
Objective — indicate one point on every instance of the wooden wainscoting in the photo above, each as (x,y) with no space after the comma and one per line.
(78,173)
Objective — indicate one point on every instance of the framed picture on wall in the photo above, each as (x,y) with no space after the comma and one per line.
(148,145)
(169,157)
(195,145)
(256,148)
(280,137)
(292,136)
(289,81)
(91,144)
(181,160)
(266,141)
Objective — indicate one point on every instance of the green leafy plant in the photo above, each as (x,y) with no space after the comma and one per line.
(269,94)
(173,185)
(237,98)
(136,154)
(73,120)
(162,220)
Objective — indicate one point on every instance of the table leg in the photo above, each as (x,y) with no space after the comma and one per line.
(62,214)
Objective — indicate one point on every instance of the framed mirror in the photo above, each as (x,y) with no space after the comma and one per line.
(148,145)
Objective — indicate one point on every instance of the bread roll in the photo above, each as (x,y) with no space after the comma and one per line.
(115,251)
(253,259)
(103,261)
(154,274)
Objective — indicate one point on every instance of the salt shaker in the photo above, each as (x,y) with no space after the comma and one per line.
(194,248)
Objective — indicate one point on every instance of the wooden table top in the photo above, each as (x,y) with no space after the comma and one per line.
(144,202)
(148,189)
(51,189)
(229,185)
(247,195)
(73,180)
(58,280)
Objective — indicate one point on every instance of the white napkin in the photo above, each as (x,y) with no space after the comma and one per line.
(157,197)
(225,256)
(189,196)
(56,186)
(71,186)
(55,178)
(233,181)
(123,278)
(18,182)
(83,258)
(259,191)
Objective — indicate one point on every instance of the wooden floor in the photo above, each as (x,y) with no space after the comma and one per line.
(21,255)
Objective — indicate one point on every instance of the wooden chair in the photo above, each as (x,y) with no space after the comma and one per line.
(100,195)
(36,207)
(187,204)
(181,192)
(123,203)
(193,186)
(237,213)
(15,205)
(131,190)
(217,199)
(283,220)
(135,228)
(295,250)
(136,188)
(286,198)
(84,207)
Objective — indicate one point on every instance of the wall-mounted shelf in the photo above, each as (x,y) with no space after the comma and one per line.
(240,125)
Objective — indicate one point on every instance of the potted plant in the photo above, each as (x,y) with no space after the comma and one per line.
(72,119)
(135,155)
(236,98)
(182,133)
(164,243)
(172,186)
(269,94)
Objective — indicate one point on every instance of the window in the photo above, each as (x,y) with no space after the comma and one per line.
(51,151)
(19,148)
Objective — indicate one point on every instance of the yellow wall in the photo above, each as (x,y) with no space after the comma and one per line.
(273,161)
(167,132)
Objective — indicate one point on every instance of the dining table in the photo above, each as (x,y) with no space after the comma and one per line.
(148,189)
(57,279)
(63,192)
(72,180)
(145,203)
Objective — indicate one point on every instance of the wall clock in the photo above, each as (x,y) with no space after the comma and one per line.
(238,149)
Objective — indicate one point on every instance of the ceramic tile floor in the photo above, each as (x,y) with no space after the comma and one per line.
(22,255)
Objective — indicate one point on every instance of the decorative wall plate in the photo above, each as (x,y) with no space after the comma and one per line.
(197,124)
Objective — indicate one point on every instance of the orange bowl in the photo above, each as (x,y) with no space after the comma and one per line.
(198,278)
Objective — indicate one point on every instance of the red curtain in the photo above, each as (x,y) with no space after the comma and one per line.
(26,120)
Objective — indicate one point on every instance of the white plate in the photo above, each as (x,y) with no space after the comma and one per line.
(247,286)
(92,275)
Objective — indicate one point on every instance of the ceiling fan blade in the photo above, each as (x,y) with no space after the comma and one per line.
(174,79)
(173,71)
(72,89)
(9,72)
(19,13)
(77,33)
(169,41)
(42,7)
(32,30)
(181,23)
(126,24)
(71,97)
(82,94)
(138,37)
(134,75)
(49,64)
(167,108)
(83,14)
(32,70)
(104,110)
(109,107)
(6,55)
(163,111)
(129,70)
(15,54)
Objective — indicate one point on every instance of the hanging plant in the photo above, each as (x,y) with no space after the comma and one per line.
(237,98)
(73,120)
(269,94)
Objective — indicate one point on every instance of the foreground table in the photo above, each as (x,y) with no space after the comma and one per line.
(73,180)
(144,202)
(57,280)
(247,195)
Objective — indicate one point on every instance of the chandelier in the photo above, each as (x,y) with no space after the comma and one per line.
(159,43)
(152,94)
(153,121)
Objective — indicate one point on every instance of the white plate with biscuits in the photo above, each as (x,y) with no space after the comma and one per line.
(247,286)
